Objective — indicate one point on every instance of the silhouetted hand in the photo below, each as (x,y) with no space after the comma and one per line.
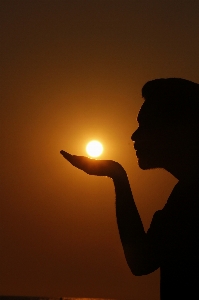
(108,168)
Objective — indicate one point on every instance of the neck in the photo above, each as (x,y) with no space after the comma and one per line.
(185,174)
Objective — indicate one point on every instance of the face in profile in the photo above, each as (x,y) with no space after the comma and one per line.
(160,143)
(168,133)
(154,142)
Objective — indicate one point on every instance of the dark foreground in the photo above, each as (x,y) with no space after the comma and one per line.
(47,298)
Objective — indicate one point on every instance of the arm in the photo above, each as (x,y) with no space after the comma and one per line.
(137,248)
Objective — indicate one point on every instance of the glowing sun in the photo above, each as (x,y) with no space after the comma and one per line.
(94,148)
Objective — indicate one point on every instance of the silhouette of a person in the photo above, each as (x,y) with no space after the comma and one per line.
(167,137)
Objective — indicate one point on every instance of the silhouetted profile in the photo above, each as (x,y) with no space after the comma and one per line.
(167,137)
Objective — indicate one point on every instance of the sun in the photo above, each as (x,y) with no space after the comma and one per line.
(94,148)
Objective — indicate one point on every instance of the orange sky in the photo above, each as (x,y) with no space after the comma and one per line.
(72,71)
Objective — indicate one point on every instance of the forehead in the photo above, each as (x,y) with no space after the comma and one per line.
(150,113)
(163,115)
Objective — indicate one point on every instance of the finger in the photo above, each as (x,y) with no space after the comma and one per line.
(66,155)
(81,162)
(76,161)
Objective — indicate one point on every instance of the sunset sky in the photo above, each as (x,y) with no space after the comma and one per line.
(72,71)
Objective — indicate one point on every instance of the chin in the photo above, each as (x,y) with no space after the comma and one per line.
(147,164)
(144,166)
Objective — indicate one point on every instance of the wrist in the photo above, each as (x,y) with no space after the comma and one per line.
(119,175)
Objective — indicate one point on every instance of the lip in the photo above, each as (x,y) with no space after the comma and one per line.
(138,149)
(135,147)
(137,152)
(140,146)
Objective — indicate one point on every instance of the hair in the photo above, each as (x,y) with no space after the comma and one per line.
(176,99)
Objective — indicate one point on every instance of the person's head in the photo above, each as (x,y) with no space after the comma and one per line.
(168,132)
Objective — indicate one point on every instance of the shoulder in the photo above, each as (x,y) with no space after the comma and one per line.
(180,211)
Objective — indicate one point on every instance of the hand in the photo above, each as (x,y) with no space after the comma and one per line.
(108,168)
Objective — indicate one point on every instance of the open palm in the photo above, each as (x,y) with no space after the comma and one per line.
(108,168)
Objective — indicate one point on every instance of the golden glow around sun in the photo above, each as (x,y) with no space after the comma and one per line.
(94,148)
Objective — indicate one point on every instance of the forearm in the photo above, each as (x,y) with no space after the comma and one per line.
(131,230)
(129,222)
